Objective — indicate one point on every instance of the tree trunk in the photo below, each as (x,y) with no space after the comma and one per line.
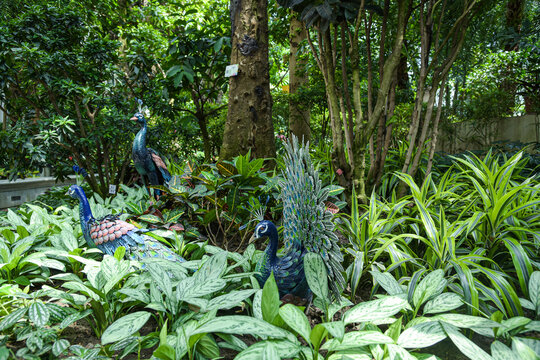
(432,62)
(299,113)
(249,118)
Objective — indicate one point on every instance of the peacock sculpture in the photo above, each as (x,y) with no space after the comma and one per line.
(147,161)
(109,233)
(307,227)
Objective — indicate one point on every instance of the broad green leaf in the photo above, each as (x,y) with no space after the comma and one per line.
(432,284)
(525,352)
(191,287)
(270,352)
(77,286)
(119,253)
(124,327)
(161,278)
(335,328)
(229,300)
(334,307)
(521,262)
(45,262)
(357,354)
(499,351)
(318,333)
(242,325)
(356,339)
(534,290)
(443,303)
(533,326)
(514,323)
(375,309)
(397,352)
(214,267)
(285,349)
(388,283)
(208,347)
(520,343)
(38,314)
(316,274)
(70,319)
(467,321)
(10,319)
(270,300)
(296,319)
(257,306)
(464,345)
(149,218)
(59,346)
(422,335)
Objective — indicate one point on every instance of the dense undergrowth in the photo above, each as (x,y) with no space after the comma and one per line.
(457,258)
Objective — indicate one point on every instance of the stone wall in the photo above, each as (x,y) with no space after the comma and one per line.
(465,136)
(15,193)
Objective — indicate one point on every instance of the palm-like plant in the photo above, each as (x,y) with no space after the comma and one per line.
(462,223)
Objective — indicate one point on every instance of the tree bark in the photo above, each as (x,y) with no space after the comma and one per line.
(299,113)
(438,69)
(249,118)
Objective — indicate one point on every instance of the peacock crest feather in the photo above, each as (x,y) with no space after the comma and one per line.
(307,227)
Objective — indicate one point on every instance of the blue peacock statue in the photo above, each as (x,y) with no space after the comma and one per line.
(147,160)
(109,233)
(307,227)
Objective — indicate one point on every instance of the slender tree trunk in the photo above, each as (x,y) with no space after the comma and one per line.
(299,113)
(364,131)
(439,69)
(435,134)
(249,118)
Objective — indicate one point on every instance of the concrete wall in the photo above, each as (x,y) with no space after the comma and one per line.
(15,193)
(473,136)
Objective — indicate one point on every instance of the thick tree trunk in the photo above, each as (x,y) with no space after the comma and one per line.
(299,113)
(249,118)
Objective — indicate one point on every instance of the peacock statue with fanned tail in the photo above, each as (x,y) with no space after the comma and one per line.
(307,227)
(109,233)
(147,160)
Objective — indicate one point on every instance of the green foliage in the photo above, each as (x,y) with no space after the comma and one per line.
(222,198)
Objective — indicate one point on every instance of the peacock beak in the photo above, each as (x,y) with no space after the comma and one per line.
(134,118)
(252,239)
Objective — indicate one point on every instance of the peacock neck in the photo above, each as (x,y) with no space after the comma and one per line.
(84,210)
(271,248)
(140,139)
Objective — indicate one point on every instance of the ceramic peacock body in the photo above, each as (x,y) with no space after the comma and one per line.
(307,227)
(147,161)
(109,233)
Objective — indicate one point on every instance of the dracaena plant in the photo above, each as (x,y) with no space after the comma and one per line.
(506,209)
(440,240)
(370,231)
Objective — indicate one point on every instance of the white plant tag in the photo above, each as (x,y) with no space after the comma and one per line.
(112,189)
(231,70)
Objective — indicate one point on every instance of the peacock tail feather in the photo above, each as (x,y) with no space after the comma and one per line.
(307,223)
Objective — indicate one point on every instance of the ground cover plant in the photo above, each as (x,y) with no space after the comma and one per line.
(387,247)
(420,270)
